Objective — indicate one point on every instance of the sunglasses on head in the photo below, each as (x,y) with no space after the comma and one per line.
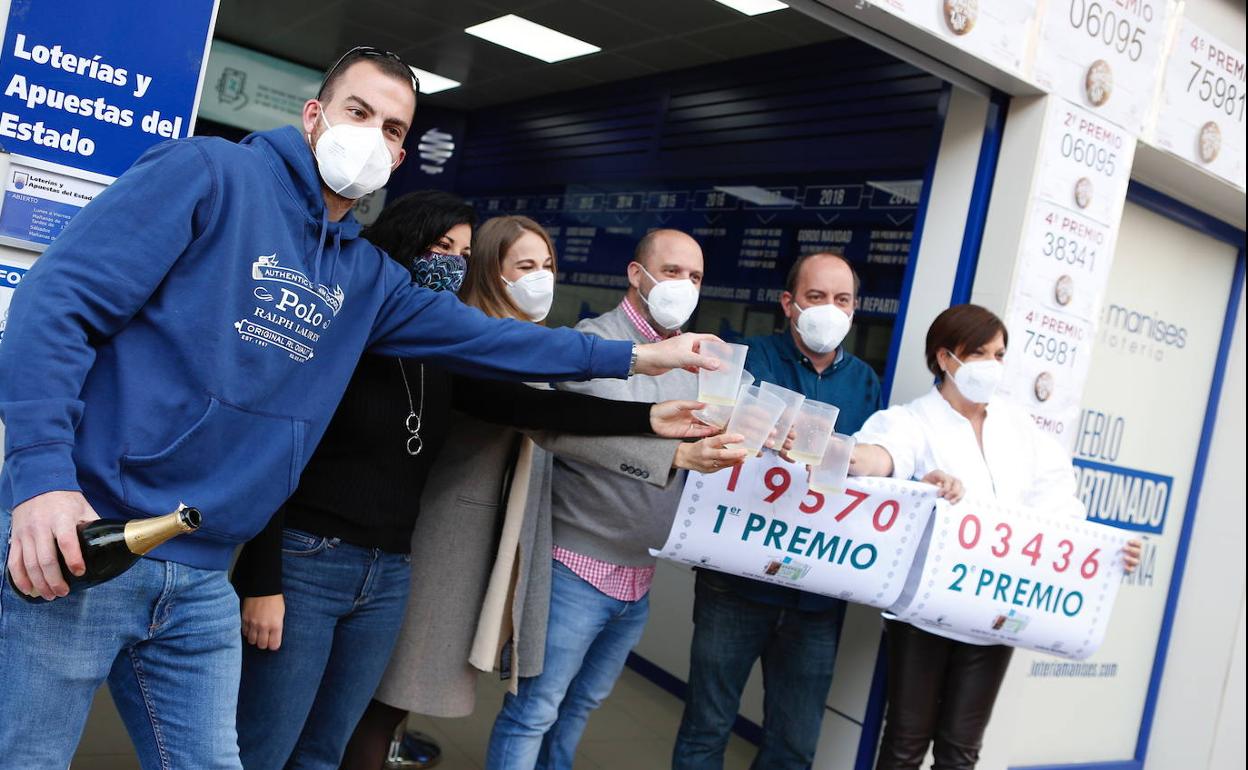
(369,52)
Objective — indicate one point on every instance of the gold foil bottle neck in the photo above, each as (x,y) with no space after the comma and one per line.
(142,535)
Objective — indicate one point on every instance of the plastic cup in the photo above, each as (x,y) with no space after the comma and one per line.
(753,418)
(815,423)
(829,476)
(719,387)
(719,415)
(792,402)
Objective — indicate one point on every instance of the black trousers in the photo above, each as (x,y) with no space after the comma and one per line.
(940,691)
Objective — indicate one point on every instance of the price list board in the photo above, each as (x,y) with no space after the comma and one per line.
(1200,115)
(750,233)
(1105,55)
(1066,254)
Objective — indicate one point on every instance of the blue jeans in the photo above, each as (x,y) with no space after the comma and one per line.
(588,638)
(798,650)
(165,637)
(298,704)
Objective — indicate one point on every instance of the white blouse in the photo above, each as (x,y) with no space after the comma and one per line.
(1019,464)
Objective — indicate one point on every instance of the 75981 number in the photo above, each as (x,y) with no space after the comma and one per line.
(1216,90)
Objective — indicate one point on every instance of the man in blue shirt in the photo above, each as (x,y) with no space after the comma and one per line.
(738,620)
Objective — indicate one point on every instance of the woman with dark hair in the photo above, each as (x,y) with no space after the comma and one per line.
(325,586)
(942,685)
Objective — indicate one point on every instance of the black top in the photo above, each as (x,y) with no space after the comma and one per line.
(362,487)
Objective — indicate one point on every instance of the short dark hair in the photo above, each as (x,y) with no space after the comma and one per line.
(790,283)
(960,329)
(389,64)
(412,224)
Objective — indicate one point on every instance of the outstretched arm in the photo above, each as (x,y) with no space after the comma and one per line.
(415,322)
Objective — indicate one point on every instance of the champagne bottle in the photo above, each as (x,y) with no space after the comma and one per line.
(110,547)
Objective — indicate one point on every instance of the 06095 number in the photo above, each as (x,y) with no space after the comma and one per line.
(1090,154)
(1116,31)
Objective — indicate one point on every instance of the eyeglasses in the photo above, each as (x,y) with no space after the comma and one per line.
(369,52)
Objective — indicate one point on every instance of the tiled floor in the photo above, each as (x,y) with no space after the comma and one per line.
(633,730)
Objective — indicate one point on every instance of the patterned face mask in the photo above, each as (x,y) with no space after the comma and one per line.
(440,272)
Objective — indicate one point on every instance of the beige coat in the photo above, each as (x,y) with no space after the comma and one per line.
(454,552)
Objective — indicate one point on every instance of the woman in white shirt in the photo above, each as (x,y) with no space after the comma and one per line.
(942,687)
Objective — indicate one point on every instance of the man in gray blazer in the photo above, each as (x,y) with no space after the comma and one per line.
(604,524)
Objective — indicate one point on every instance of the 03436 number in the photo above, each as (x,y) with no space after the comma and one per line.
(1001,541)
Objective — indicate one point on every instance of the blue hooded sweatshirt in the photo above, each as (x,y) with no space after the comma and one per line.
(188,336)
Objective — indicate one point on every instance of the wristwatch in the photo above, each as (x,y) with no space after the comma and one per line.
(632,361)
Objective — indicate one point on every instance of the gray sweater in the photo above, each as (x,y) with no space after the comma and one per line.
(608,516)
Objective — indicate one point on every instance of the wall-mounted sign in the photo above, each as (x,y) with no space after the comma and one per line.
(10,277)
(252,91)
(1200,115)
(91,85)
(40,198)
(1103,55)
(1064,263)
(998,31)
(750,233)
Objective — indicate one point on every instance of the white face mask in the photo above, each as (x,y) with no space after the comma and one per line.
(670,302)
(978,380)
(822,327)
(533,293)
(353,160)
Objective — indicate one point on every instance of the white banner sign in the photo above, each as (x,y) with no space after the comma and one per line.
(1200,115)
(1103,54)
(1050,353)
(1017,577)
(997,31)
(1066,257)
(761,522)
(1085,163)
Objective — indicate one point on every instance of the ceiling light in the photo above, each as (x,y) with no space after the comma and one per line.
(754,7)
(431,82)
(531,39)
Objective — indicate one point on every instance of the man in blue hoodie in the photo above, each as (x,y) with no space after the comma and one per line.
(187,338)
